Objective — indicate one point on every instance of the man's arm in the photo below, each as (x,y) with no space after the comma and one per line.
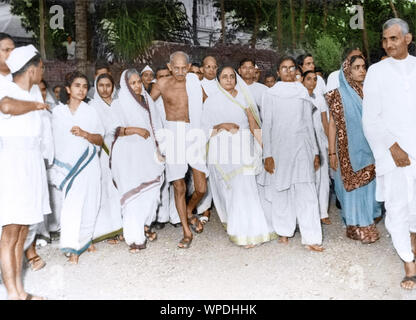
(156,92)
(18,107)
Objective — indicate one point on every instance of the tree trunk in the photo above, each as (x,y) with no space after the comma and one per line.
(393,7)
(42,29)
(256,24)
(303,21)
(81,34)
(279,25)
(195,22)
(325,9)
(223,21)
(292,23)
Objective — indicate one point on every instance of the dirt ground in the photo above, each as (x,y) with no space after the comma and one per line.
(214,268)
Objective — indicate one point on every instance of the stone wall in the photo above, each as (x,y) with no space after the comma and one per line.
(159,55)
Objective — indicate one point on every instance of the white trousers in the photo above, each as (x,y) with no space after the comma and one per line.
(299,203)
(398,190)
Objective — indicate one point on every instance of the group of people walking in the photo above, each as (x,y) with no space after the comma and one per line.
(167,146)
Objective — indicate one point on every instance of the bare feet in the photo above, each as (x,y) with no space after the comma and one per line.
(73,258)
(409,281)
(92,248)
(28,296)
(249,246)
(284,240)
(326,221)
(315,248)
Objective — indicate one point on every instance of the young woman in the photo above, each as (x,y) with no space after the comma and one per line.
(350,155)
(78,135)
(109,221)
(309,80)
(136,168)
(231,116)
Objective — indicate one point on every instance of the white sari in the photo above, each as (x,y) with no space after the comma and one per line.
(233,180)
(77,173)
(109,221)
(137,172)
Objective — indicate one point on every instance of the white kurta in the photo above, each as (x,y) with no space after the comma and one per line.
(24,143)
(289,138)
(389,116)
(77,173)
(109,221)
(257,90)
(235,178)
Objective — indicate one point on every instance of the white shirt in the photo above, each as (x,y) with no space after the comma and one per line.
(70,49)
(210,86)
(333,81)
(257,90)
(389,110)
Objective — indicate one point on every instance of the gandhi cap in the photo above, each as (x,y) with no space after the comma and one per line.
(20,56)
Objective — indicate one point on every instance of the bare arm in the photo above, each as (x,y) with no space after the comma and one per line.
(96,139)
(18,107)
(204,95)
(129,131)
(325,124)
(156,92)
(333,160)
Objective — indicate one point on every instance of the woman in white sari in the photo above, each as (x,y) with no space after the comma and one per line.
(77,133)
(109,221)
(137,170)
(231,120)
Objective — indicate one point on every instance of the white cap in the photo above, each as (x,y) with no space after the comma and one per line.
(20,56)
(256,67)
(147,68)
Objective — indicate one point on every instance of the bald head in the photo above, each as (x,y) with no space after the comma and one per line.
(179,65)
(209,67)
(179,56)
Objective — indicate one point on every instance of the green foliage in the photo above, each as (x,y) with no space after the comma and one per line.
(327,53)
(129,27)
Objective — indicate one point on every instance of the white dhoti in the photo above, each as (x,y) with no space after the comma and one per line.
(167,211)
(299,203)
(183,147)
(398,189)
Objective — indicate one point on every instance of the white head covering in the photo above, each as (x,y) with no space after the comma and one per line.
(256,67)
(147,68)
(20,56)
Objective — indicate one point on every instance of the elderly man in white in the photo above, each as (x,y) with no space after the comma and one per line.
(389,117)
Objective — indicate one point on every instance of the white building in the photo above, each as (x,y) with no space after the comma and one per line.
(208,25)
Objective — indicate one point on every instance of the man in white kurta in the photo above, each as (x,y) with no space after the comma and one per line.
(389,117)
(290,153)
(23,186)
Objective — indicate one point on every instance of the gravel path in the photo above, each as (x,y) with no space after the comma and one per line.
(214,268)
